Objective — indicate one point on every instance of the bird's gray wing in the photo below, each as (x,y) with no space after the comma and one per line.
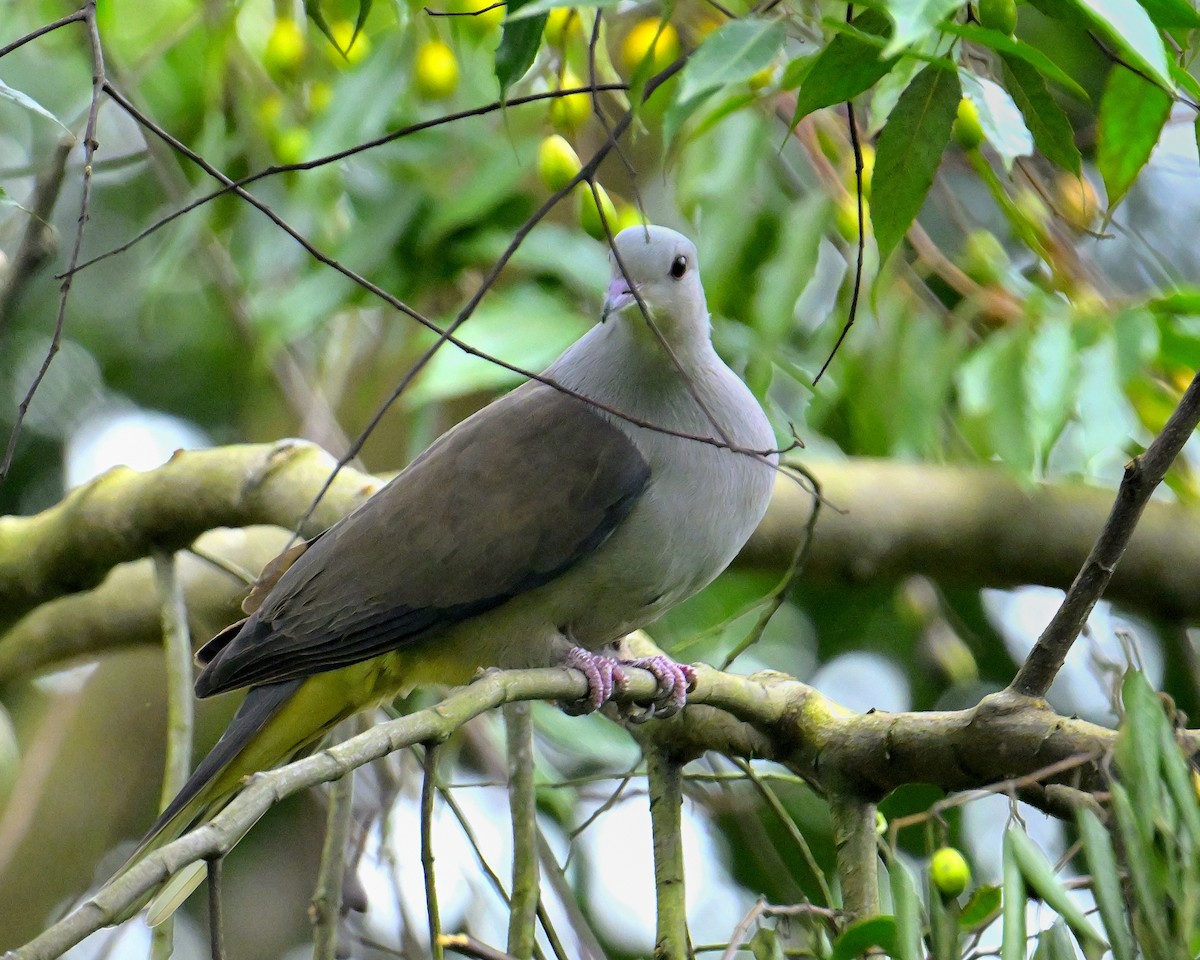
(501,504)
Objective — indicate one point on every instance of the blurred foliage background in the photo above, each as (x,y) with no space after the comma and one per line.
(1025,323)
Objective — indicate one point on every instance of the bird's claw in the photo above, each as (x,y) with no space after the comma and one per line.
(675,682)
(605,676)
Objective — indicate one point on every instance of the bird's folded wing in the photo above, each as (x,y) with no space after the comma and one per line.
(502,504)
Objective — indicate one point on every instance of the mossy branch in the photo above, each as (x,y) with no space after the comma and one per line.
(886,520)
(765,715)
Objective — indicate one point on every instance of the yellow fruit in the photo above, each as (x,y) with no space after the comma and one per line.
(868,164)
(968,131)
(270,111)
(589,214)
(764,78)
(569,112)
(285,48)
(949,871)
(562,25)
(353,48)
(435,70)
(1076,198)
(482,20)
(291,145)
(557,162)
(628,216)
(845,218)
(998,15)
(646,39)
(320,96)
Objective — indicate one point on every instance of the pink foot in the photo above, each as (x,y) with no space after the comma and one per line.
(675,681)
(604,674)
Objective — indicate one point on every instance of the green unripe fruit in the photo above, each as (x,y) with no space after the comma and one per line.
(570,112)
(557,162)
(589,213)
(968,131)
(998,15)
(949,871)
(984,258)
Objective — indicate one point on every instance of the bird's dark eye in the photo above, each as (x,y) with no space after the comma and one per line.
(679,267)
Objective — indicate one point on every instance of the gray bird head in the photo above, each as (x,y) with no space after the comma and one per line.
(663,266)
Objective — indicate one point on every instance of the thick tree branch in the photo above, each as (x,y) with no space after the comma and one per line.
(126,514)
(775,716)
(885,520)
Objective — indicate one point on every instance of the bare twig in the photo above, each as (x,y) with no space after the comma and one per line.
(854,839)
(216,931)
(88,17)
(39,242)
(523,811)
(76,17)
(428,792)
(1142,475)
(672,941)
(177,655)
(325,910)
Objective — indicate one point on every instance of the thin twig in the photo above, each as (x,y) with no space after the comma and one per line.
(325,910)
(177,656)
(78,15)
(216,931)
(1142,475)
(522,801)
(672,941)
(789,825)
(88,16)
(852,313)
(39,242)
(428,791)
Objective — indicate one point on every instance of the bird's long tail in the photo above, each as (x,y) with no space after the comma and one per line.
(251,742)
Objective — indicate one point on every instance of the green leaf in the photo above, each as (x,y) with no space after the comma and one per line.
(1172,13)
(1137,848)
(789,270)
(1047,121)
(1137,745)
(1012,942)
(1054,943)
(981,908)
(999,117)
(1184,302)
(26,101)
(909,151)
(1011,47)
(915,20)
(908,915)
(1106,884)
(1178,777)
(518,45)
(1132,114)
(765,945)
(844,69)
(1125,25)
(731,54)
(1050,375)
(860,936)
(1040,875)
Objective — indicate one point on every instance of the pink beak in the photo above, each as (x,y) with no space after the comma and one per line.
(619,296)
